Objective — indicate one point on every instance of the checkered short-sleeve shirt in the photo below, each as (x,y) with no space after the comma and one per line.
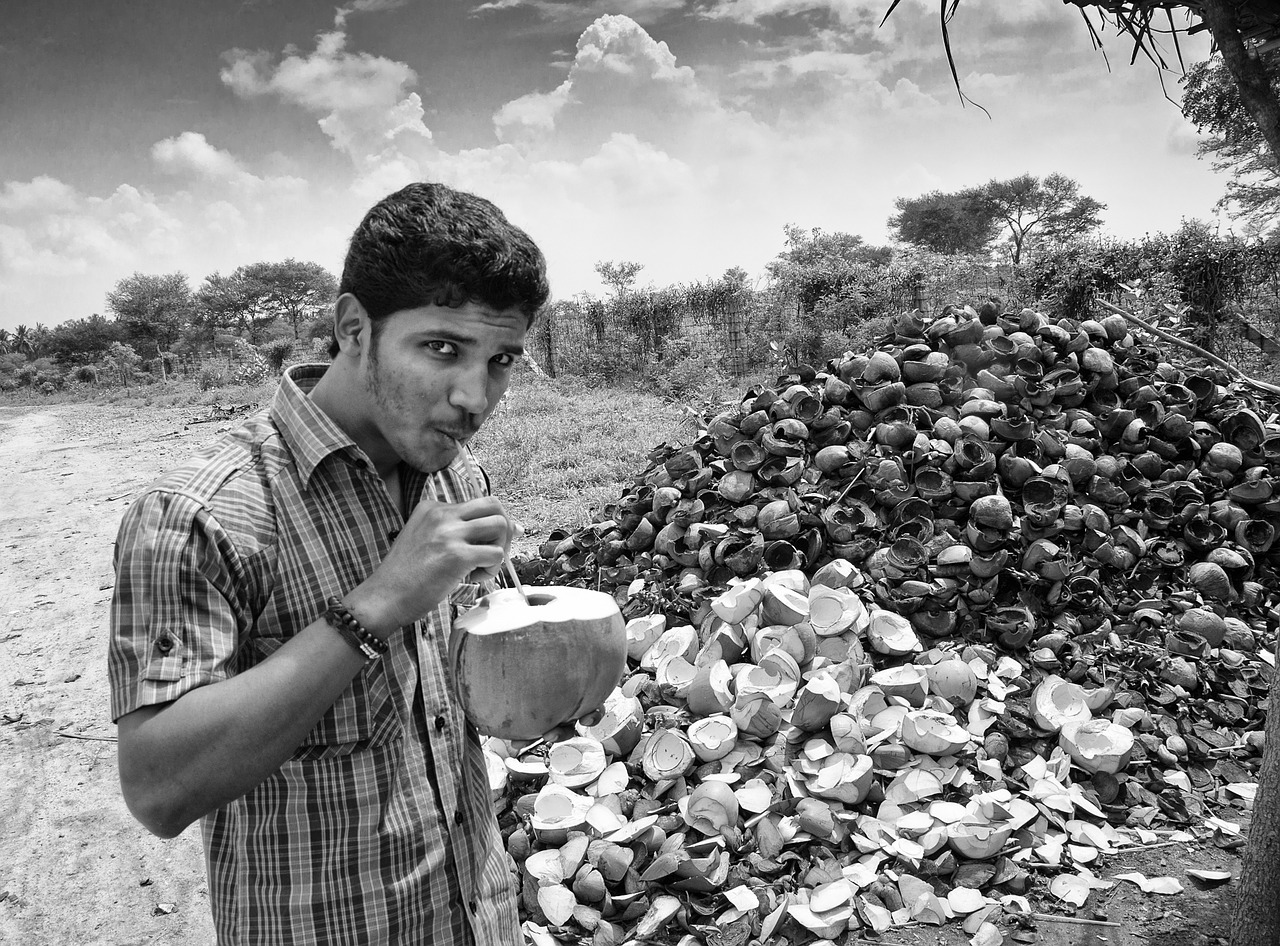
(379,829)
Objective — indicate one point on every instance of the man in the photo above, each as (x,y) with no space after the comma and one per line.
(280,619)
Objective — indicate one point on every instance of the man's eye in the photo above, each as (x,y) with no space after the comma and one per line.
(505,361)
(444,348)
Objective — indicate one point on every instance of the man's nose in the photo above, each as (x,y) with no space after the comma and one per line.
(470,391)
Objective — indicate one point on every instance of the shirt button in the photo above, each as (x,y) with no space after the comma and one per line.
(440,723)
(460,817)
(164,644)
(475,907)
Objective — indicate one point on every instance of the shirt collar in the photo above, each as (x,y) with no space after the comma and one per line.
(309,432)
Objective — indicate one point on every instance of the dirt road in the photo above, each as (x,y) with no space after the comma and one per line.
(74,866)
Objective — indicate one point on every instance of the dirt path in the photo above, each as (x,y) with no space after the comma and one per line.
(75,867)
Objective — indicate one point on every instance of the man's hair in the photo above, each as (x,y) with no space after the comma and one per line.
(428,244)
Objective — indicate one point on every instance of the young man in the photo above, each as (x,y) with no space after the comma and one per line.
(279,626)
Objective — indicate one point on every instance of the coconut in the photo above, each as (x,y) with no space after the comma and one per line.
(891,634)
(1097,745)
(711,808)
(621,725)
(738,601)
(667,755)
(978,840)
(576,762)
(712,737)
(953,680)
(557,810)
(782,605)
(521,667)
(933,733)
(835,610)
(1056,702)
(908,681)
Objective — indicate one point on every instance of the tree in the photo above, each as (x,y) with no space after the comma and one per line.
(1232,139)
(6,341)
(619,276)
(232,302)
(292,290)
(1052,209)
(1236,26)
(945,223)
(83,341)
(153,309)
(23,341)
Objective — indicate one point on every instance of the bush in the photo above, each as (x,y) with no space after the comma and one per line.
(276,353)
(211,376)
(687,367)
(85,374)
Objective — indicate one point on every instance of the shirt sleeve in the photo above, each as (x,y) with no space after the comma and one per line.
(176,615)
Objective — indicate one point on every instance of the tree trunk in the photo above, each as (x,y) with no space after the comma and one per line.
(1247,69)
(1256,919)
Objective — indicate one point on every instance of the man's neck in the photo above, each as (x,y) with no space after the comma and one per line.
(342,395)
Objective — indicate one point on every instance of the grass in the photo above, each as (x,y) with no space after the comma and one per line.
(558,451)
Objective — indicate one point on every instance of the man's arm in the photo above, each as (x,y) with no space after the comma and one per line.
(183,759)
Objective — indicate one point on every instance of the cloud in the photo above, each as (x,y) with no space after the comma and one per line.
(364,102)
(364,6)
(576,11)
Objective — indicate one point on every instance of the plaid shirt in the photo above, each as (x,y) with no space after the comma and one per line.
(379,829)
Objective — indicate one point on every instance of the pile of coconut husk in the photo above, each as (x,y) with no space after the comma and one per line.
(919,638)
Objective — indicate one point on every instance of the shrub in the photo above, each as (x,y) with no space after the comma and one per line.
(48,387)
(276,353)
(251,367)
(687,366)
(84,374)
(211,376)
(121,362)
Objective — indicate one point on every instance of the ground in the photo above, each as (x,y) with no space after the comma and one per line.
(75,868)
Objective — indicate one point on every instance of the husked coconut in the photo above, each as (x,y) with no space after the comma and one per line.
(783,605)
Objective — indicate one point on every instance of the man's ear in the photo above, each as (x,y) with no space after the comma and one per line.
(351,325)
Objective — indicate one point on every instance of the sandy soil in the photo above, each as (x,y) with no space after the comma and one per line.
(76,869)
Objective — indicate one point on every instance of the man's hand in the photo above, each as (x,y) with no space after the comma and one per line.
(441,545)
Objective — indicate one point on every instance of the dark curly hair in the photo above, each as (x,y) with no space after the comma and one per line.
(428,244)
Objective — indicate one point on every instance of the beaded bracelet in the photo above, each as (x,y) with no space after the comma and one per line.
(353,632)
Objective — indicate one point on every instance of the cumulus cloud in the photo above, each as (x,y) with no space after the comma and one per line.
(364,102)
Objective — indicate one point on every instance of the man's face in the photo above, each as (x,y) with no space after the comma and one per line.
(435,374)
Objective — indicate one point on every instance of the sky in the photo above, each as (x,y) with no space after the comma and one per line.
(196,136)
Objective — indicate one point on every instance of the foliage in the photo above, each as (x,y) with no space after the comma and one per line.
(1049,211)
(618,276)
(1231,138)
(233,302)
(121,363)
(276,353)
(960,222)
(292,289)
(83,341)
(211,375)
(689,365)
(251,366)
(154,309)
(815,264)
(83,374)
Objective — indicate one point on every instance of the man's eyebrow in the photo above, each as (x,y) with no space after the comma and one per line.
(462,338)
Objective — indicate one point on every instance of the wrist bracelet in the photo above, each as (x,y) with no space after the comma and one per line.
(353,632)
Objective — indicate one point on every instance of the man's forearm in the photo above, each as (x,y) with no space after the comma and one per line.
(181,760)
